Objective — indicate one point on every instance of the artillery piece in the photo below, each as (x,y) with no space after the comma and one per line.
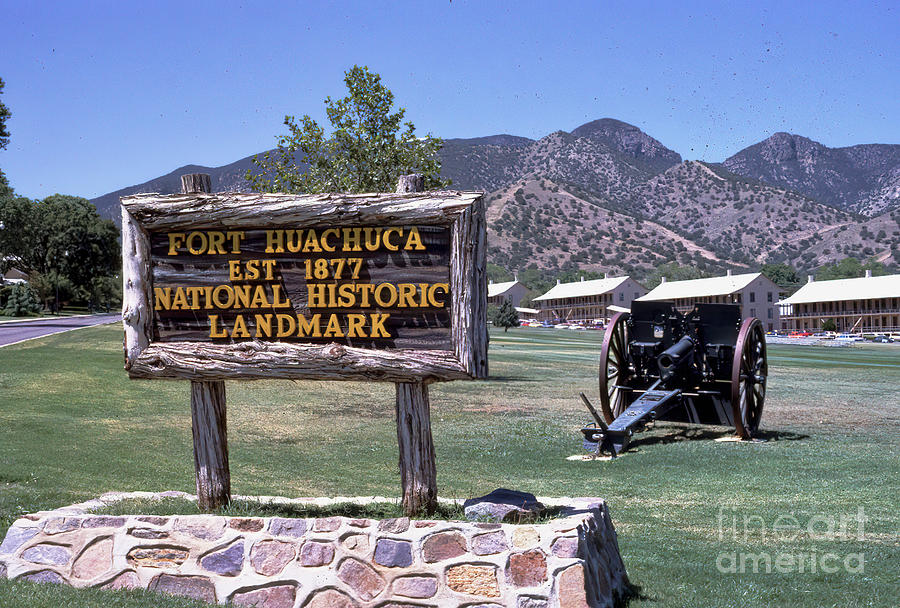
(702,367)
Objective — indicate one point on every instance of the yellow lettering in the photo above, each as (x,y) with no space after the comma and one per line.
(334,328)
(311,244)
(269,265)
(286,325)
(293,240)
(180,301)
(317,295)
(378,330)
(175,241)
(235,236)
(387,238)
(414,240)
(278,299)
(352,239)
(379,298)
(203,243)
(242,296)
(264,325)
(216,240)
(217,296)
(432,301)
(274,241)
(407,295)
(347,298)
(355,326)
(234,270)
(240,328)
(330,232)
(372,244)
(260,298)
(214,331)
(365,291)
(162,297)
(252,270)
(194,292)
(311,328)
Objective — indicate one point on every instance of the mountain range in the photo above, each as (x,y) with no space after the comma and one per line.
(608,197)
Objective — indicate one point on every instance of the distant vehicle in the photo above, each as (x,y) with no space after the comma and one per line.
(883,339)
(850,338)
(799,334)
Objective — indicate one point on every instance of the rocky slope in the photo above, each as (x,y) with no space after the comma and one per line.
(861,179)
(610,198)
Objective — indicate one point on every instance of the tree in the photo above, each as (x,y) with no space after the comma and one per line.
(506,316)
(4,116)
(829,325)
(849,268)
(782,275)
(5,190)
(673,271)
(22,301)
(366,151)
(57,240)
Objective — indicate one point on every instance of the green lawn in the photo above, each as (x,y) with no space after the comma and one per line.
(73,426)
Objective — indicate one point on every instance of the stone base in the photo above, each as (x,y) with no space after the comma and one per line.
(340,562)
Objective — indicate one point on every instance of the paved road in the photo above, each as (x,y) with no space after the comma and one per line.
(19,331)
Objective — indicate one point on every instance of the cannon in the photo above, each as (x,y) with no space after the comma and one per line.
(706,366)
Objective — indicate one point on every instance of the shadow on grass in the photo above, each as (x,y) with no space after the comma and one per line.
(493,378)
(632,592)
(780,436)
(708,434)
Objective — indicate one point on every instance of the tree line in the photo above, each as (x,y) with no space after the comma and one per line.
(70,254)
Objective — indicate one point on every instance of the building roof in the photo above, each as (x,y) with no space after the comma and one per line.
(498,289)
(580,289)
(701,288)
(864,288)
(527,311)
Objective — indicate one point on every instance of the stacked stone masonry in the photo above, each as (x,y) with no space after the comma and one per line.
(336,562)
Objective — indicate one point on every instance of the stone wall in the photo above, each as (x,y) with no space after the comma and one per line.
(335,562)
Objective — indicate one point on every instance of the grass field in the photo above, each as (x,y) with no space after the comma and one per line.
(73,426)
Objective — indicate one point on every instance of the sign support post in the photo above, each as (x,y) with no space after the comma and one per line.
(418,471)
(208,422)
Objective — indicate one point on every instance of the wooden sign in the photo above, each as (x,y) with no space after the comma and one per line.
(380,287)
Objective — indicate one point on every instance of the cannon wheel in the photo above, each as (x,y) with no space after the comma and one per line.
(748,378)
(614,367)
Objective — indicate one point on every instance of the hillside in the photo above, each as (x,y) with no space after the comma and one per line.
(861,179)
(610,198)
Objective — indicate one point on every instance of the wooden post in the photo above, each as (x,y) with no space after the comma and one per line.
(208,425)
(418,473)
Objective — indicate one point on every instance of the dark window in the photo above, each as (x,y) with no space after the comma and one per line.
(753,296)
(621,296)
(770,313)
(770,296)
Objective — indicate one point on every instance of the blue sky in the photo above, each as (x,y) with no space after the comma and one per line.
(109,94)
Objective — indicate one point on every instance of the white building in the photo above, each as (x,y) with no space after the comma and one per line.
(587,300)
(510,291)
(867,304)
(756,293)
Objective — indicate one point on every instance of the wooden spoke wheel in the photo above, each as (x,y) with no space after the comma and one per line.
(748,378)
(614,370)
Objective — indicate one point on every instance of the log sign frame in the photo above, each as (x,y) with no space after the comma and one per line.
(388,287)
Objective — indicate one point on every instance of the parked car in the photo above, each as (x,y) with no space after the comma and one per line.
(883,339)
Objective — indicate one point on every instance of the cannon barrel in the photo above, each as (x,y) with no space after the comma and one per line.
(673,357)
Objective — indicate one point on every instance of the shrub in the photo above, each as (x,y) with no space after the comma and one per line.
(22,301)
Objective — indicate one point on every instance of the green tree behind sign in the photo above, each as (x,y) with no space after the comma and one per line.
(366,152)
